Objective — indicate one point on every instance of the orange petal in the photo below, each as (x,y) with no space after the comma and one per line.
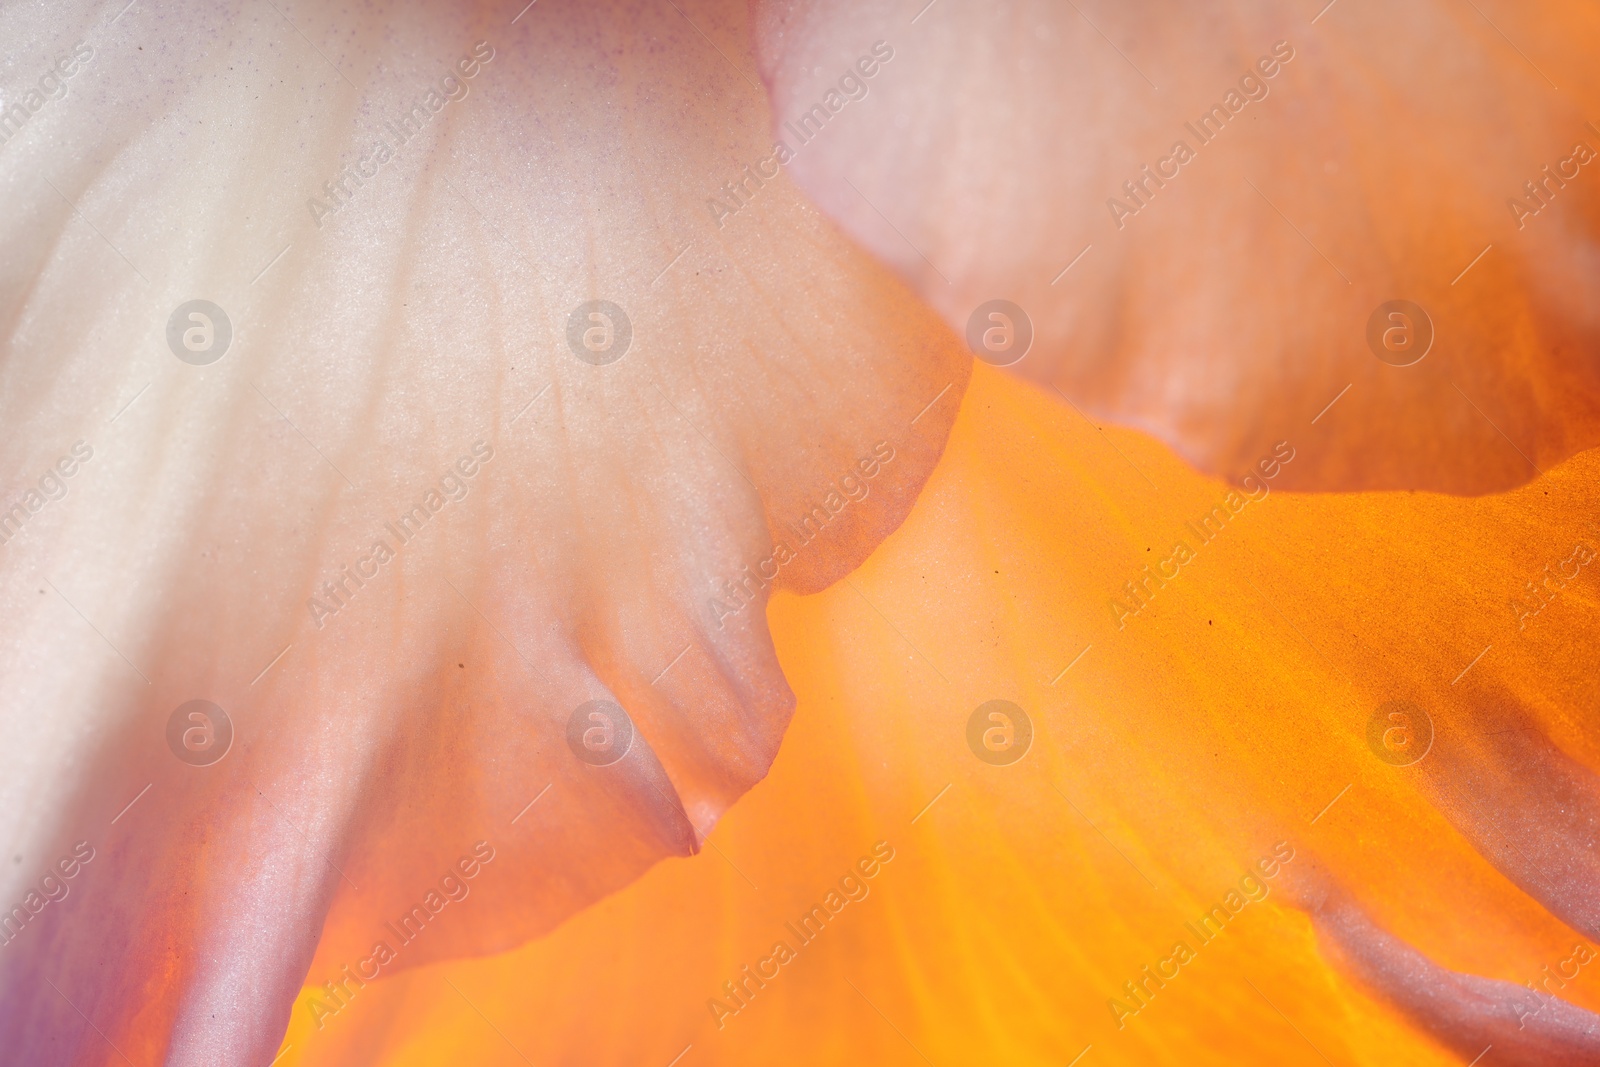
(1224,726)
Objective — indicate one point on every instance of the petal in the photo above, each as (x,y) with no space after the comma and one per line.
(406,516)
(1174,762)
(1228,305)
